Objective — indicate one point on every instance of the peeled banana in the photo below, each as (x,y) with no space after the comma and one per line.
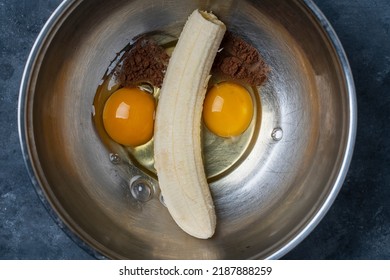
(177,138)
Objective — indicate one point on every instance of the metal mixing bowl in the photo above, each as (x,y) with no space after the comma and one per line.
(265,206)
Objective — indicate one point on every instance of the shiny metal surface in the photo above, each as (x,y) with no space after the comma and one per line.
(265,206)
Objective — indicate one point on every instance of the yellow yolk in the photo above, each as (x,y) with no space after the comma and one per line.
(227,109)
(128,116)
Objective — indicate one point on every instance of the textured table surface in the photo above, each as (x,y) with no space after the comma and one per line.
(356,227)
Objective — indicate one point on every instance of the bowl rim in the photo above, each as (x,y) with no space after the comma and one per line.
(66,5)
(351,135)
(43,35)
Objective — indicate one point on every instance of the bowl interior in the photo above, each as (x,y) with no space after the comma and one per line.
(263,205)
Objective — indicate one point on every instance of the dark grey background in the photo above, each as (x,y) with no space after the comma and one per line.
(356,227)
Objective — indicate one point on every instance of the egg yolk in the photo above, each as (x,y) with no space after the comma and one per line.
(128,116)
(227,109)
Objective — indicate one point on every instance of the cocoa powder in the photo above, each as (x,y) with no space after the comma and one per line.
(146,61)
(241,61)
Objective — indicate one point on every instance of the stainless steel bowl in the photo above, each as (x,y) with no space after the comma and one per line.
(265,206)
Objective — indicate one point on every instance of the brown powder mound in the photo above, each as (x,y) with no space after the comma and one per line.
(146,61)
(241,61)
